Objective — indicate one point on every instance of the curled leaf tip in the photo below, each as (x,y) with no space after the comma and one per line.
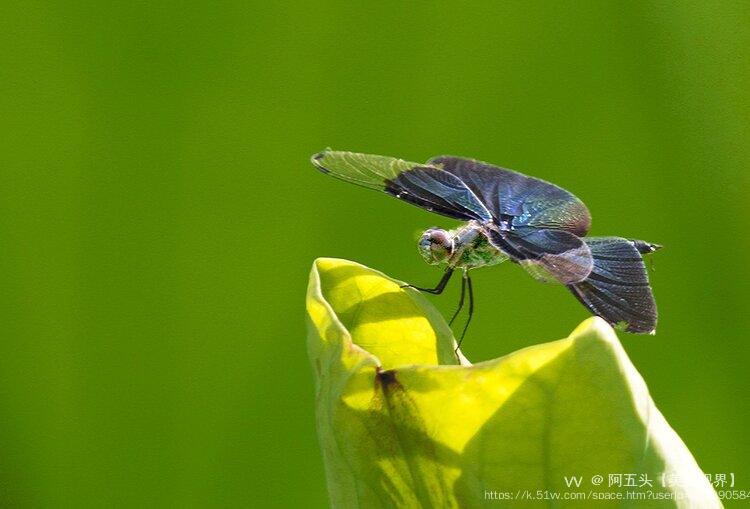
(373,312)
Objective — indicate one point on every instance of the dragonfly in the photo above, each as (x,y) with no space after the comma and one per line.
(510,216)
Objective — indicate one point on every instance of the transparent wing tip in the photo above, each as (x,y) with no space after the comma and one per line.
(317,159)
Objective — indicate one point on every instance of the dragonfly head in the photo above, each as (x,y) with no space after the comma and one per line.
(436,246)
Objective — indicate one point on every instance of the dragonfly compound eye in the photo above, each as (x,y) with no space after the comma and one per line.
(436,246)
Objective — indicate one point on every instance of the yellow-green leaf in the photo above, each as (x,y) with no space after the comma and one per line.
(402,423)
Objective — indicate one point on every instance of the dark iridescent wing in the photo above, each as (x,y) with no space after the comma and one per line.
(532,202)
(423,185)
(618,288)
(550,256)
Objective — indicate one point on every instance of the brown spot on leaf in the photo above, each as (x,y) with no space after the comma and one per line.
(386,378)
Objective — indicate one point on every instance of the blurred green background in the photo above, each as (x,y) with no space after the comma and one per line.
(158,217)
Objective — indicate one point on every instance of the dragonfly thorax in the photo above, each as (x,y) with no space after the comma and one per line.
(466,247)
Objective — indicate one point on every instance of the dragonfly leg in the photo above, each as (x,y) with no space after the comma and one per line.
(471,310)
(461,300)
(440,286)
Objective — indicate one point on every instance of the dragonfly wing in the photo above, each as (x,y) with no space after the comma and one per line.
(426,186)
(531,201)
(618,289)
(550,256)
